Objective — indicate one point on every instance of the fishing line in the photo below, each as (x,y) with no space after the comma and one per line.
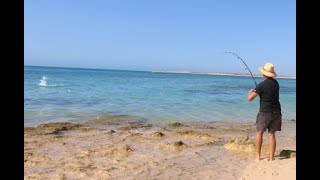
(245,65)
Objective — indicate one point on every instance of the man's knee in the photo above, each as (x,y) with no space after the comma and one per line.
(272,133)
(259,132)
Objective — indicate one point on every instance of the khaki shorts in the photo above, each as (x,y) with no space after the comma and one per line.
(271,121)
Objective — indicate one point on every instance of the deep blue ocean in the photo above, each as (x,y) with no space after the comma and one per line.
(78,95)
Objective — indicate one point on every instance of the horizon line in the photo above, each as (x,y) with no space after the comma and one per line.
(169,71)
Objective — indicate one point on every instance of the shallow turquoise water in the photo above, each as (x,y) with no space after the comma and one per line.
(76,95)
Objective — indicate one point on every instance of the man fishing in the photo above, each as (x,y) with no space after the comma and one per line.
(269,115)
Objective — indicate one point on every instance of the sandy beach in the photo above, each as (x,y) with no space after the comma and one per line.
(113,149)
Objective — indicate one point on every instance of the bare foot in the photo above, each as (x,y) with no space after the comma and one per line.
(271,159)
(261,159)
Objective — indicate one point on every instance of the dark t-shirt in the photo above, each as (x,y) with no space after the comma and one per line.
(268,91)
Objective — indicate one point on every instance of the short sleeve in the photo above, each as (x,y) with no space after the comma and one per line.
(258,88)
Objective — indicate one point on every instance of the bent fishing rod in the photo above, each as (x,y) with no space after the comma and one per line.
(245,65)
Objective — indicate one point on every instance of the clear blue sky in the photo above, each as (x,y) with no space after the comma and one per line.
(161,34)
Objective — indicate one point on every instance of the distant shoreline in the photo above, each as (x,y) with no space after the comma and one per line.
(219,74)
(168,72)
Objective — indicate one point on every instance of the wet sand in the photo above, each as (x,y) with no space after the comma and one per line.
(102,149)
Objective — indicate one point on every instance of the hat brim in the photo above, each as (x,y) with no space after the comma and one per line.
(267,73)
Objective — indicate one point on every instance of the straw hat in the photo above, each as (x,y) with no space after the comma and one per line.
(268,70)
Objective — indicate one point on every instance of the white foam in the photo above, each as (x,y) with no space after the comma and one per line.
(43,81)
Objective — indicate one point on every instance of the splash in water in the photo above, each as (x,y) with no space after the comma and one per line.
(43,81)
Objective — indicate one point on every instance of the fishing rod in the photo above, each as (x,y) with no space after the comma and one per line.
(245,65)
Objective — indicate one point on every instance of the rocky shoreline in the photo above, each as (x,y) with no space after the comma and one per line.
(135,150)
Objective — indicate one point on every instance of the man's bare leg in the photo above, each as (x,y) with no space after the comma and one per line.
(259,141)
(272,145)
